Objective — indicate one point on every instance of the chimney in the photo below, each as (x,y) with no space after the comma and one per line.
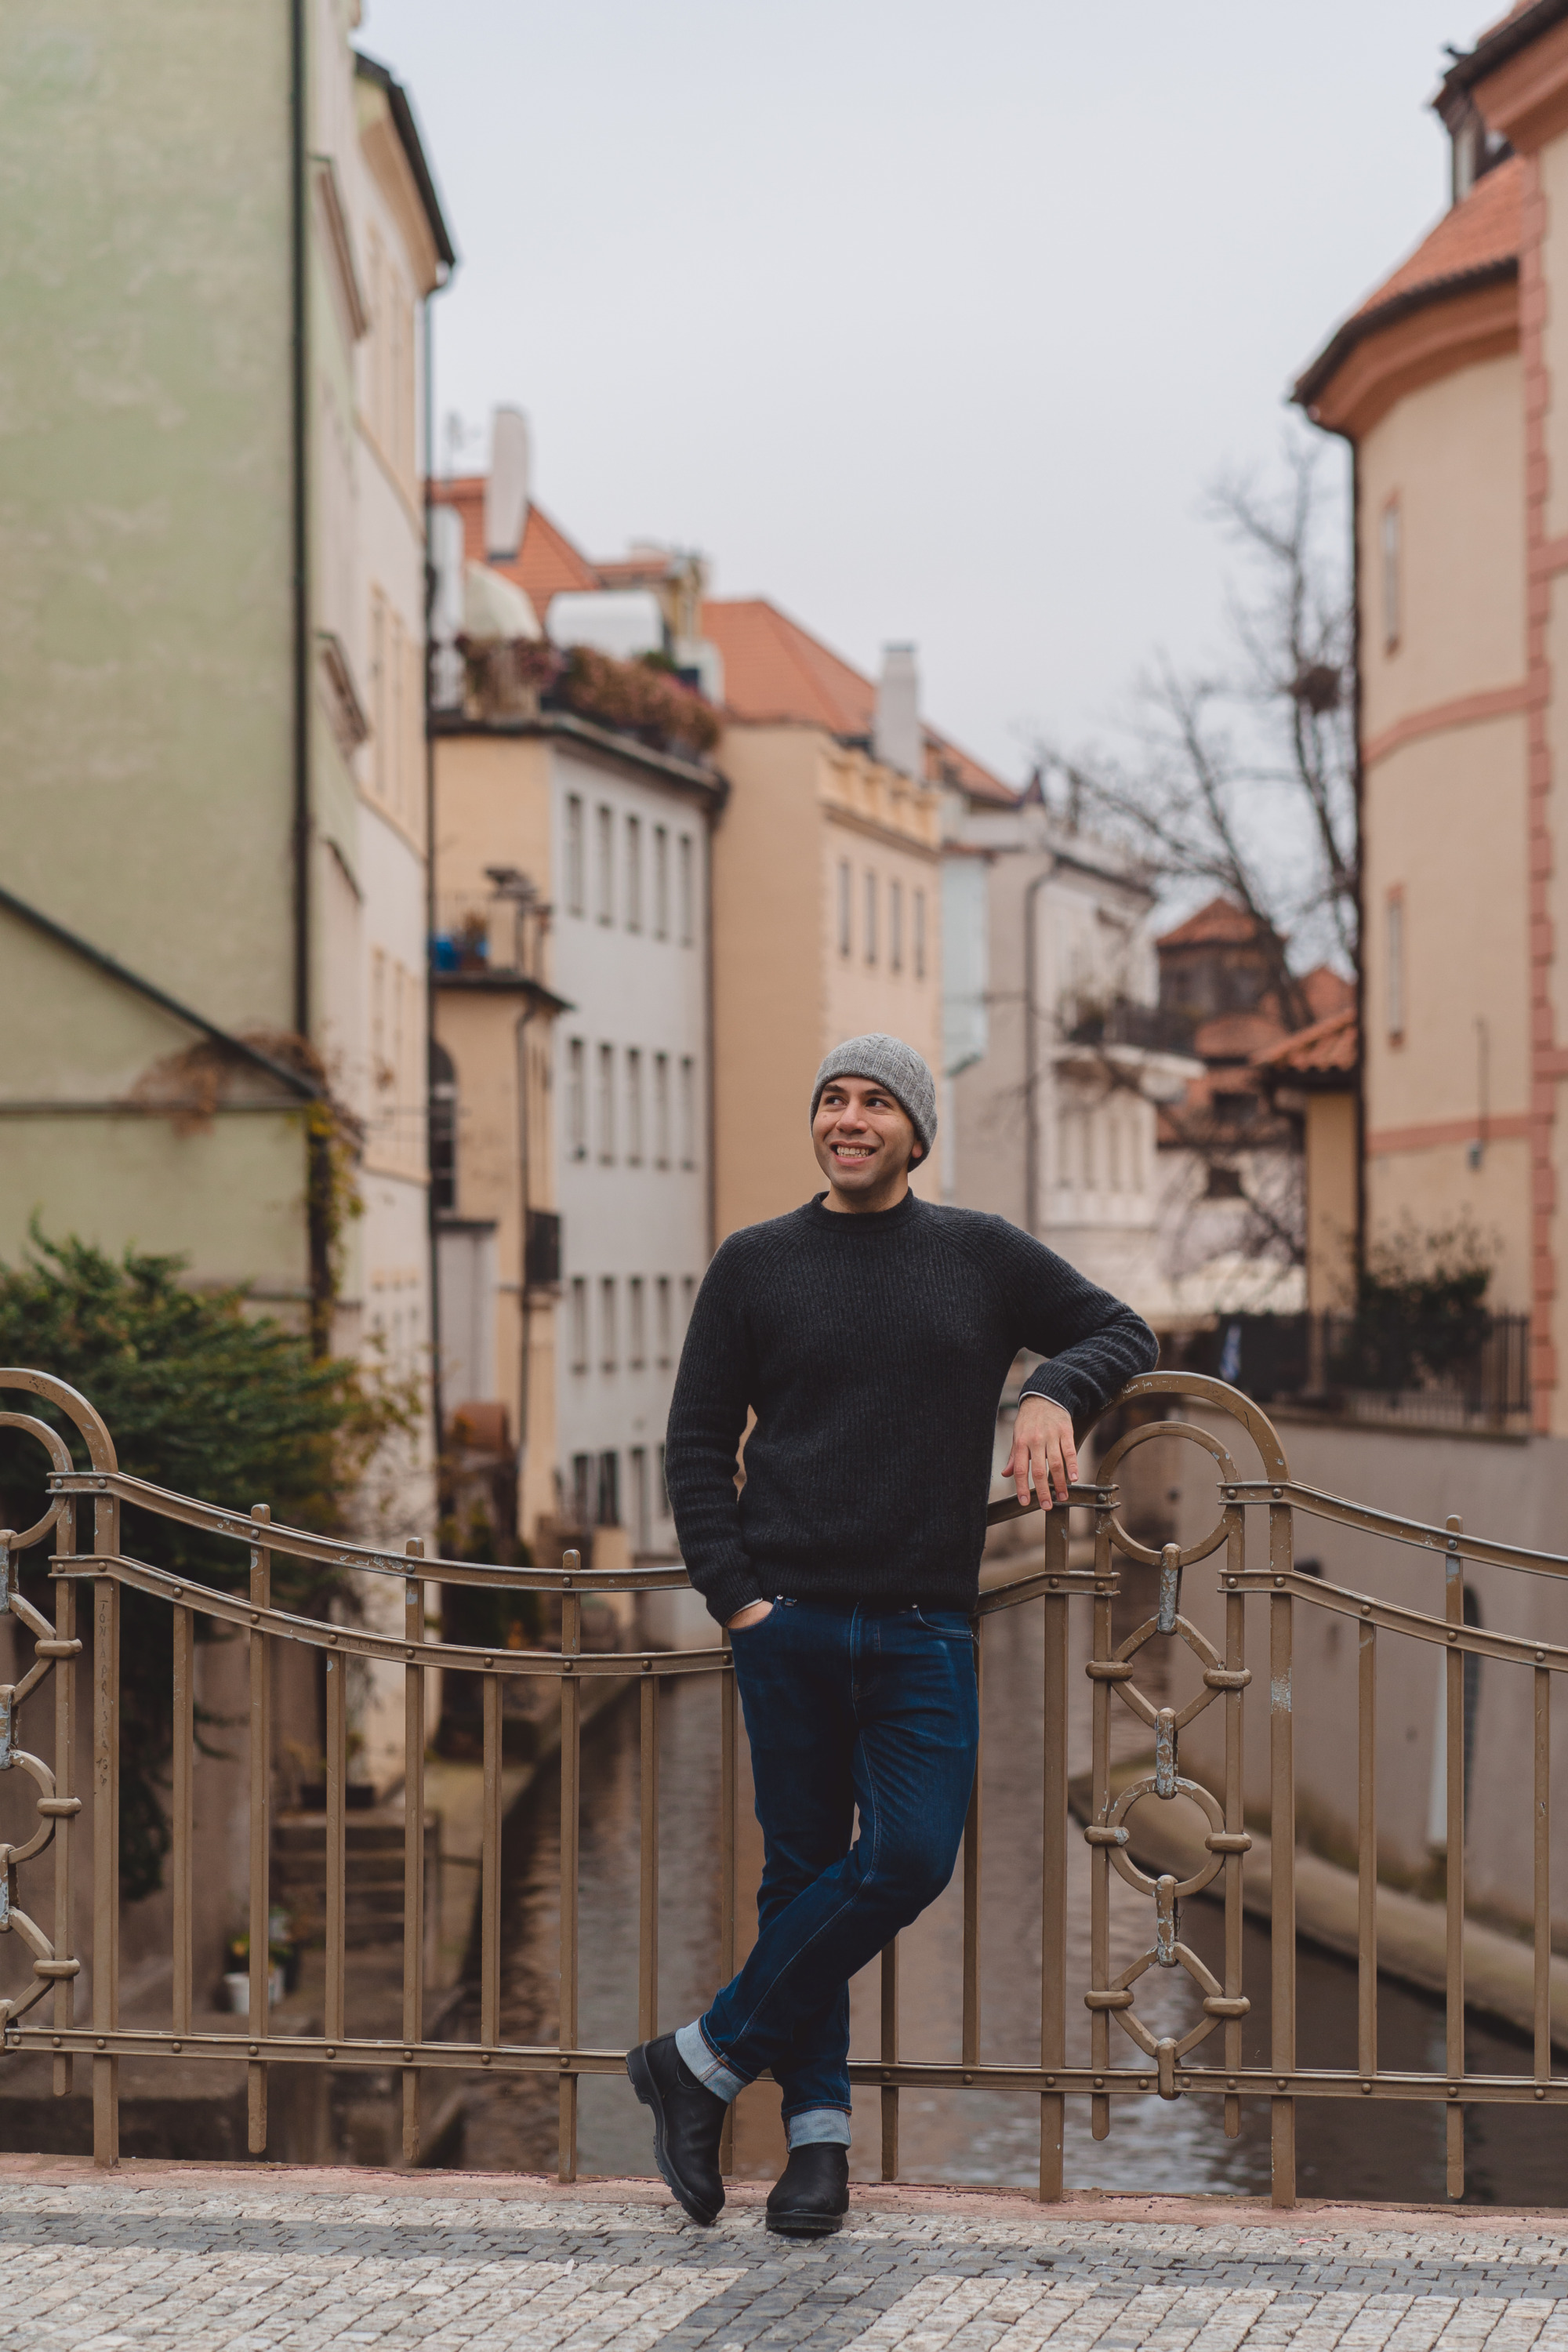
(896,730)
(506,486)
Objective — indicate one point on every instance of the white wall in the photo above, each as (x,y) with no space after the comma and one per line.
(626,1219)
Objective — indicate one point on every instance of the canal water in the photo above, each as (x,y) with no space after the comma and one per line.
(1514,2155)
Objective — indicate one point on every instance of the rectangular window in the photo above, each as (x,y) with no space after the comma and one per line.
(634,874)
(920,934)
(846,886)
(582,1488)
(638,1461)
(606,880)
(1393,616)
(636,1323)
(378,1017)
(687,1112)
(607,1501)
(378,696)
(870,918)
(608,1351)
(579,1324)
(661,1324)
(661,1110)
(660,882)
(688,1300)
(633,1108)
(895,927)
(688,893)
(576,1099)
(575,897)
(1064,1149)
(1394,943)
(607,1104)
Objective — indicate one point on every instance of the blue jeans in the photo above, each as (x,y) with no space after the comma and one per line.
(843,1708)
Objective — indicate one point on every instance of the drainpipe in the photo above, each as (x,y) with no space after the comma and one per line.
(1031,1048)
(707,1040)
(1359,876)
(431,1232)
(525,1309)
(300,518)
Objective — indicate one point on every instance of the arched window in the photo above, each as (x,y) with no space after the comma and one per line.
(443,1131)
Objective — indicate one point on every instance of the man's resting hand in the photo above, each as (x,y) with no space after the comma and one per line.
(1042,1441)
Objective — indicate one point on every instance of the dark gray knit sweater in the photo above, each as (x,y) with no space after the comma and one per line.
(873,1350)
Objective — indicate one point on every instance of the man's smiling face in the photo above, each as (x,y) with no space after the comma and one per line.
(863,1137)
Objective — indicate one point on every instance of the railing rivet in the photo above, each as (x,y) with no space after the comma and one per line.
(1230,2082)
(1539,2091)
(490,1661)
(256,1616)
(566,1580)
(331,2052)
(179,1589)
(1367,1608)
(969,2078)
(174,2046)
(254,2049)
(1453,1637)
(485,2060)
(1278,1491)
(56,2039)
(1050,2082)
(1283,2081)
(100,1482)
(1142,2081)
(101,2041)
(647,1666)
(1053,1583)
(332,1637)
(1279,1580)
(1453,2090)
(406,2056)
(1100,2082)
(1366,2086)
(1541,1657)
(1231,1582)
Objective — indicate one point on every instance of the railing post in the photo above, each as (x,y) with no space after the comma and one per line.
(972,1833)
(890,2054)
(648,1859)
(412,1845)
(105,1839)
(65,1779)
(260,1836)
(728,1764)
(571,1816)
(1053,1855)
(1454,1856)
(1282,1853)
(1366,1851)
(1235,1801)
(1099,1856)
(337,1842)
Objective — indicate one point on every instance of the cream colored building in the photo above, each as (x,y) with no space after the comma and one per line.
(826,890)
(1444,383)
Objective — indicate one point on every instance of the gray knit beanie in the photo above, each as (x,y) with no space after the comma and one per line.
(893,1064)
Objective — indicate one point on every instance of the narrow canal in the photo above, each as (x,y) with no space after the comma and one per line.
(1514,2155)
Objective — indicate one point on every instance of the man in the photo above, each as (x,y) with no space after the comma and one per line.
(870,1332)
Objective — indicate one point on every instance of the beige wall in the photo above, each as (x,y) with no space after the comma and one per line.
(1452,454)
(492,808)
(769,1007)
(1462,890)
(1330,1143)
(802,806)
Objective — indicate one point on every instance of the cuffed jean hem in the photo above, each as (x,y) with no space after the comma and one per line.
(715,2074)
(815,2127)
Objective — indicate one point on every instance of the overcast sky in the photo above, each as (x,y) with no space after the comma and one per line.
(927,320)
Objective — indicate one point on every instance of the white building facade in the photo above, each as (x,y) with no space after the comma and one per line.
(633,1126)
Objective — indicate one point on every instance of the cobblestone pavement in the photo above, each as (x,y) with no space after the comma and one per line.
(256,2259)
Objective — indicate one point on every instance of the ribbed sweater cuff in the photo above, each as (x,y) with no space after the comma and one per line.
(1044,1381)
(730,1590)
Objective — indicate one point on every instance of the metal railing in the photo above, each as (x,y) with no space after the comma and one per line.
(83,1518)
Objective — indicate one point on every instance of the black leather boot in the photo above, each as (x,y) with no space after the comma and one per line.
(811,2195)
(688,2118)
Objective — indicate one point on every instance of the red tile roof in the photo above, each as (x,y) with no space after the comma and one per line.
(1476,243)
(1481,228)
(1323,1049)
(1328,992)
(1222,923)
(775,670)
(546,562)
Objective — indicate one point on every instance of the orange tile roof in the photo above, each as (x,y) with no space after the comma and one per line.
(1481,228)
(1235,1036)
(1475,243)
(1324,1049)
(775,670)
(547,560)
(1328,992)
(1222,923)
